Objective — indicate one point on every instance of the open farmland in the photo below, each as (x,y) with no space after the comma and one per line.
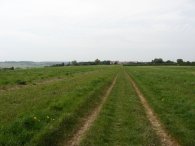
(96,105)
(36,114)
(170,91)
(122,120)
(34,75)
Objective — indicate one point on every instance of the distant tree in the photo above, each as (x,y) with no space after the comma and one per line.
(180,61)
(188,63)
(11,68)
(157,61)
(74,62)
(68,64)
(58,65)
(106,62)
(97,61)
(114,62)
(86,63)
(169,62)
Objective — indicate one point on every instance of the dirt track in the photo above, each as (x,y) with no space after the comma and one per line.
(76,139)
(165,138)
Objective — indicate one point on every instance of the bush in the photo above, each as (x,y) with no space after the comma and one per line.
(21,82)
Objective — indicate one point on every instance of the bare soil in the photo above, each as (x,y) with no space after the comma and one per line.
(165,137)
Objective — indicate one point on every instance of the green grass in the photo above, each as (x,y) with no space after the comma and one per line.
(171,93)
(27,76)
(47,111)
(42,113)
(122,120)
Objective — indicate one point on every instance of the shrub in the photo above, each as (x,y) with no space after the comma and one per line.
(21,82)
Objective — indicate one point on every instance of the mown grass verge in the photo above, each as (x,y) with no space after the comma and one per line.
(122,120)
(170,91)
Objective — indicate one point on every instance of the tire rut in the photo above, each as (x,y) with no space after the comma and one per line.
(165,138)
(77,137)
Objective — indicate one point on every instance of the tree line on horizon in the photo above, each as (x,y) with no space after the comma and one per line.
(156,61)
(160,61)
(96,62)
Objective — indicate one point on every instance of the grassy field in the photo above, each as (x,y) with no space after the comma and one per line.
(40,114)
(171,93)
(122,120)
(46,106)
(30,76)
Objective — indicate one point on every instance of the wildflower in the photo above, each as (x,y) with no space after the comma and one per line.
(35,118)
(47,117)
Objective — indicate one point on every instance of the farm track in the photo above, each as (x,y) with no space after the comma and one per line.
(77,137)
(165,138)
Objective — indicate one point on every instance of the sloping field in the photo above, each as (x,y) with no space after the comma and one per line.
(170,91)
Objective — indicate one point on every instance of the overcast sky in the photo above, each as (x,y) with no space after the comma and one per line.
(64,30)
